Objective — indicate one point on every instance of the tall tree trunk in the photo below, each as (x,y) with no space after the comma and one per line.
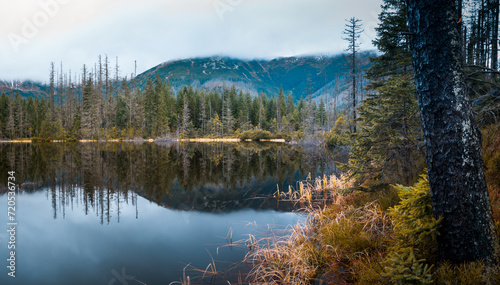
(452,140)
(494,35)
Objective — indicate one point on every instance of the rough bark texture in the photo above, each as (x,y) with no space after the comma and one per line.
(452,140)
(494,35)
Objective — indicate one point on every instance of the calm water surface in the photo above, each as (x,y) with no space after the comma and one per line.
(110,213)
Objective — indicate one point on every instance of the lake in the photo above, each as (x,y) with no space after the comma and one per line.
(145,213)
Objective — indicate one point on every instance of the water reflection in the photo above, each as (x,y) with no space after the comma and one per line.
(202,177)
(87,209)
(155,248)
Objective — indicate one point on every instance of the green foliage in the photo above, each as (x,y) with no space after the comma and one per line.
(414,224)
(415,231)
(392,42)
(387,147)
(154,112)
(339,134)
(462,274)
(256,135)
(402,267)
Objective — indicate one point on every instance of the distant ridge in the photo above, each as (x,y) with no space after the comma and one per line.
(25,88)
(299,75)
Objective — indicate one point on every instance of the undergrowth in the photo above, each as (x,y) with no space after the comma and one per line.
(491,156)
(384,237)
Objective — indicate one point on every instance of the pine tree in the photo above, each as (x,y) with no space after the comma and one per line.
(88,110)
(388,145)
(4,114)
(280,110)
(321,116)
(186,117)
(352,33)
(392,40)
(229,118)
(52,93)
(10,127)
(203,115)
(164,102)
(122,114)
(150,109)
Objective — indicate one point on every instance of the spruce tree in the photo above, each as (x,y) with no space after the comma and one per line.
(386,148)
(186,117)
(388,145)
(150,110)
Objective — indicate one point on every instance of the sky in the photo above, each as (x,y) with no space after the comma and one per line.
(34,33)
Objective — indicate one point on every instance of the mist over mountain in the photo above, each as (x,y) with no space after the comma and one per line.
(302,76)
(299,75)
(25,88)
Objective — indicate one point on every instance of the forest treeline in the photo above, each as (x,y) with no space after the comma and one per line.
(384,134)
(100,107)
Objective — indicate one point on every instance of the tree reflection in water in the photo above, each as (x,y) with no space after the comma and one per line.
(184,176)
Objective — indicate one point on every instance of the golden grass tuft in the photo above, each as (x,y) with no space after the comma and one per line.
(333,243)
(350,237)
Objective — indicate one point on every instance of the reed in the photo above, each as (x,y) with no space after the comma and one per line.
(350,237)
(334,238)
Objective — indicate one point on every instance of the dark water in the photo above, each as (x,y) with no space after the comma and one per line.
(94,213)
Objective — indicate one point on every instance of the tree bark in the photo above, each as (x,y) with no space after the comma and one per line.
(452,139)
(494,35)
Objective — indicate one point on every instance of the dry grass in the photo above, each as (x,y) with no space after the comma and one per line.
(210,140)
(334,240)
(345,239)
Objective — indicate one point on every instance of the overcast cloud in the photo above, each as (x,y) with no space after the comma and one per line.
(35,33)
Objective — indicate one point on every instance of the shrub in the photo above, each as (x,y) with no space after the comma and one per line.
(338,135)
(255,135)
(414,224)
(402,267)
(463,274)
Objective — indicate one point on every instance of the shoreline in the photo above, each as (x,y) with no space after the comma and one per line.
(201,140)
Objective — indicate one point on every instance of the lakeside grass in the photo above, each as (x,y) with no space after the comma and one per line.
(200,140)
(353,237)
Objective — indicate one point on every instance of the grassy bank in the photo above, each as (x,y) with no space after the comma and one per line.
(383,237)
(250,135)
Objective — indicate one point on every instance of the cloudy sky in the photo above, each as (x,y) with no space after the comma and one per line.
(34,33)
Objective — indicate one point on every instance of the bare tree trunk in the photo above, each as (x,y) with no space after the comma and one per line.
(452,139)
(494,35)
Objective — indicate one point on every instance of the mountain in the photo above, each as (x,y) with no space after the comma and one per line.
(299,75)
(25,88)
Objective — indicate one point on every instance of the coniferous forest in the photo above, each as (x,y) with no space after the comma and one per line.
(100,107)
(413,196)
